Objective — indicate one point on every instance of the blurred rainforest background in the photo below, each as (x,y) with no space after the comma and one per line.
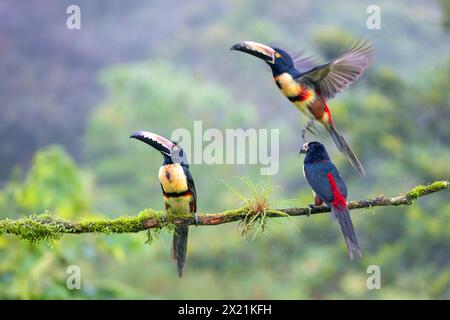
(70,98)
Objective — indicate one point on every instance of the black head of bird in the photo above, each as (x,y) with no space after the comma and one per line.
(279,60)
(315,151)
(171,151)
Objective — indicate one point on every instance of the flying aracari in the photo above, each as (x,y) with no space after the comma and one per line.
(308,85)
(177,184)
(329,187)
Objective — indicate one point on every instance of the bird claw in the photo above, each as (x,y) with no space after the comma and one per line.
(196,219)
(310,127)
(303,134)
(316,130)
(311,207)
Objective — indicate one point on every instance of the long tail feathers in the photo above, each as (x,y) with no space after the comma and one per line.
(345,148)
(343,217)
(179,247)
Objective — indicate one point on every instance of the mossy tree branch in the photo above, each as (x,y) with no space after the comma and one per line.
(48,227)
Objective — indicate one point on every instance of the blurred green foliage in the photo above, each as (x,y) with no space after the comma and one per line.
(29,271)
(53,183)
(395,117)
(445,5)
(161,98)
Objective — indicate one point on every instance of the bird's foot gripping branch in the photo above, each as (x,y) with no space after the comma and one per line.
(48,227)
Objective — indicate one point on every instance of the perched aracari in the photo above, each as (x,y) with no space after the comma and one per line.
(178,189)
(308,85)
(329,187)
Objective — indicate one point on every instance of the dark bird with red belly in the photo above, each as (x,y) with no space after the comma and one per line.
(177,184)
(329,187)
(308,85)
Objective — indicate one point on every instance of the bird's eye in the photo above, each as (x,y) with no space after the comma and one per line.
(277,55)
(175,148)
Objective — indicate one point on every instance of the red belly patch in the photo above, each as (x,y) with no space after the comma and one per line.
(304,93)
(339,201)
(327,111)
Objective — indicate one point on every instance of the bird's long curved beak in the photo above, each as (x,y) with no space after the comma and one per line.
(304,149)
(256,49)
(161,144)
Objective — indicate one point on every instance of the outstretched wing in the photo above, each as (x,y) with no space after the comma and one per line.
(317,176)
(191,189)
(333,77)
(304,63)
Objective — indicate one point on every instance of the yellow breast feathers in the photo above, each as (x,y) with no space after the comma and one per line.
(288,86)
(300,95)
(172,178)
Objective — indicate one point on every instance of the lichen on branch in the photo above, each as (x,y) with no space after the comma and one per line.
(48,227)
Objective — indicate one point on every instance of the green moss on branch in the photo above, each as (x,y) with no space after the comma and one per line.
(48,227)
(420,191)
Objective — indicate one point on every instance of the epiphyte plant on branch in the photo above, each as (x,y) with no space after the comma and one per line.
(308,85)
(329,187)
(178,189)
